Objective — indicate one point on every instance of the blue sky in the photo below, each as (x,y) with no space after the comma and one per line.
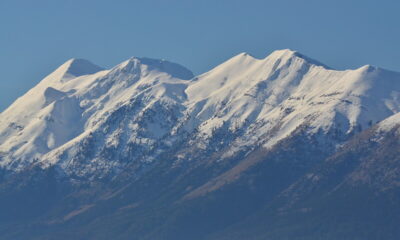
(37,36)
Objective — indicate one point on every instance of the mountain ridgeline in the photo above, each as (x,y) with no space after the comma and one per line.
(277,148)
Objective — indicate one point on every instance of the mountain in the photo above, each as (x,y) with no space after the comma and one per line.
(277,148)
(65,109)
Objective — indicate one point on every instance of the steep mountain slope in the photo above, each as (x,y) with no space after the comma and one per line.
(245,149)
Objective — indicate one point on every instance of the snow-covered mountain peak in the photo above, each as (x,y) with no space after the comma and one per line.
(140,64)
(283,52)
(79,67)
(243,55)
(291,55)
(73,68)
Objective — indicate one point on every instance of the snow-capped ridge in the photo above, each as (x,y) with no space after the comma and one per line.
(286,54)
(244,55)
(75,67)
(389,123)
(79,67)
(134,64)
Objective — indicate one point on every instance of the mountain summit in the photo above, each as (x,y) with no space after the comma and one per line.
(79,67)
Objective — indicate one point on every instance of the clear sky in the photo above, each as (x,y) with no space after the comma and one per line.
(36,36)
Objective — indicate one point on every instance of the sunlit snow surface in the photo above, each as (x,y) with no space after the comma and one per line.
(143,106)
